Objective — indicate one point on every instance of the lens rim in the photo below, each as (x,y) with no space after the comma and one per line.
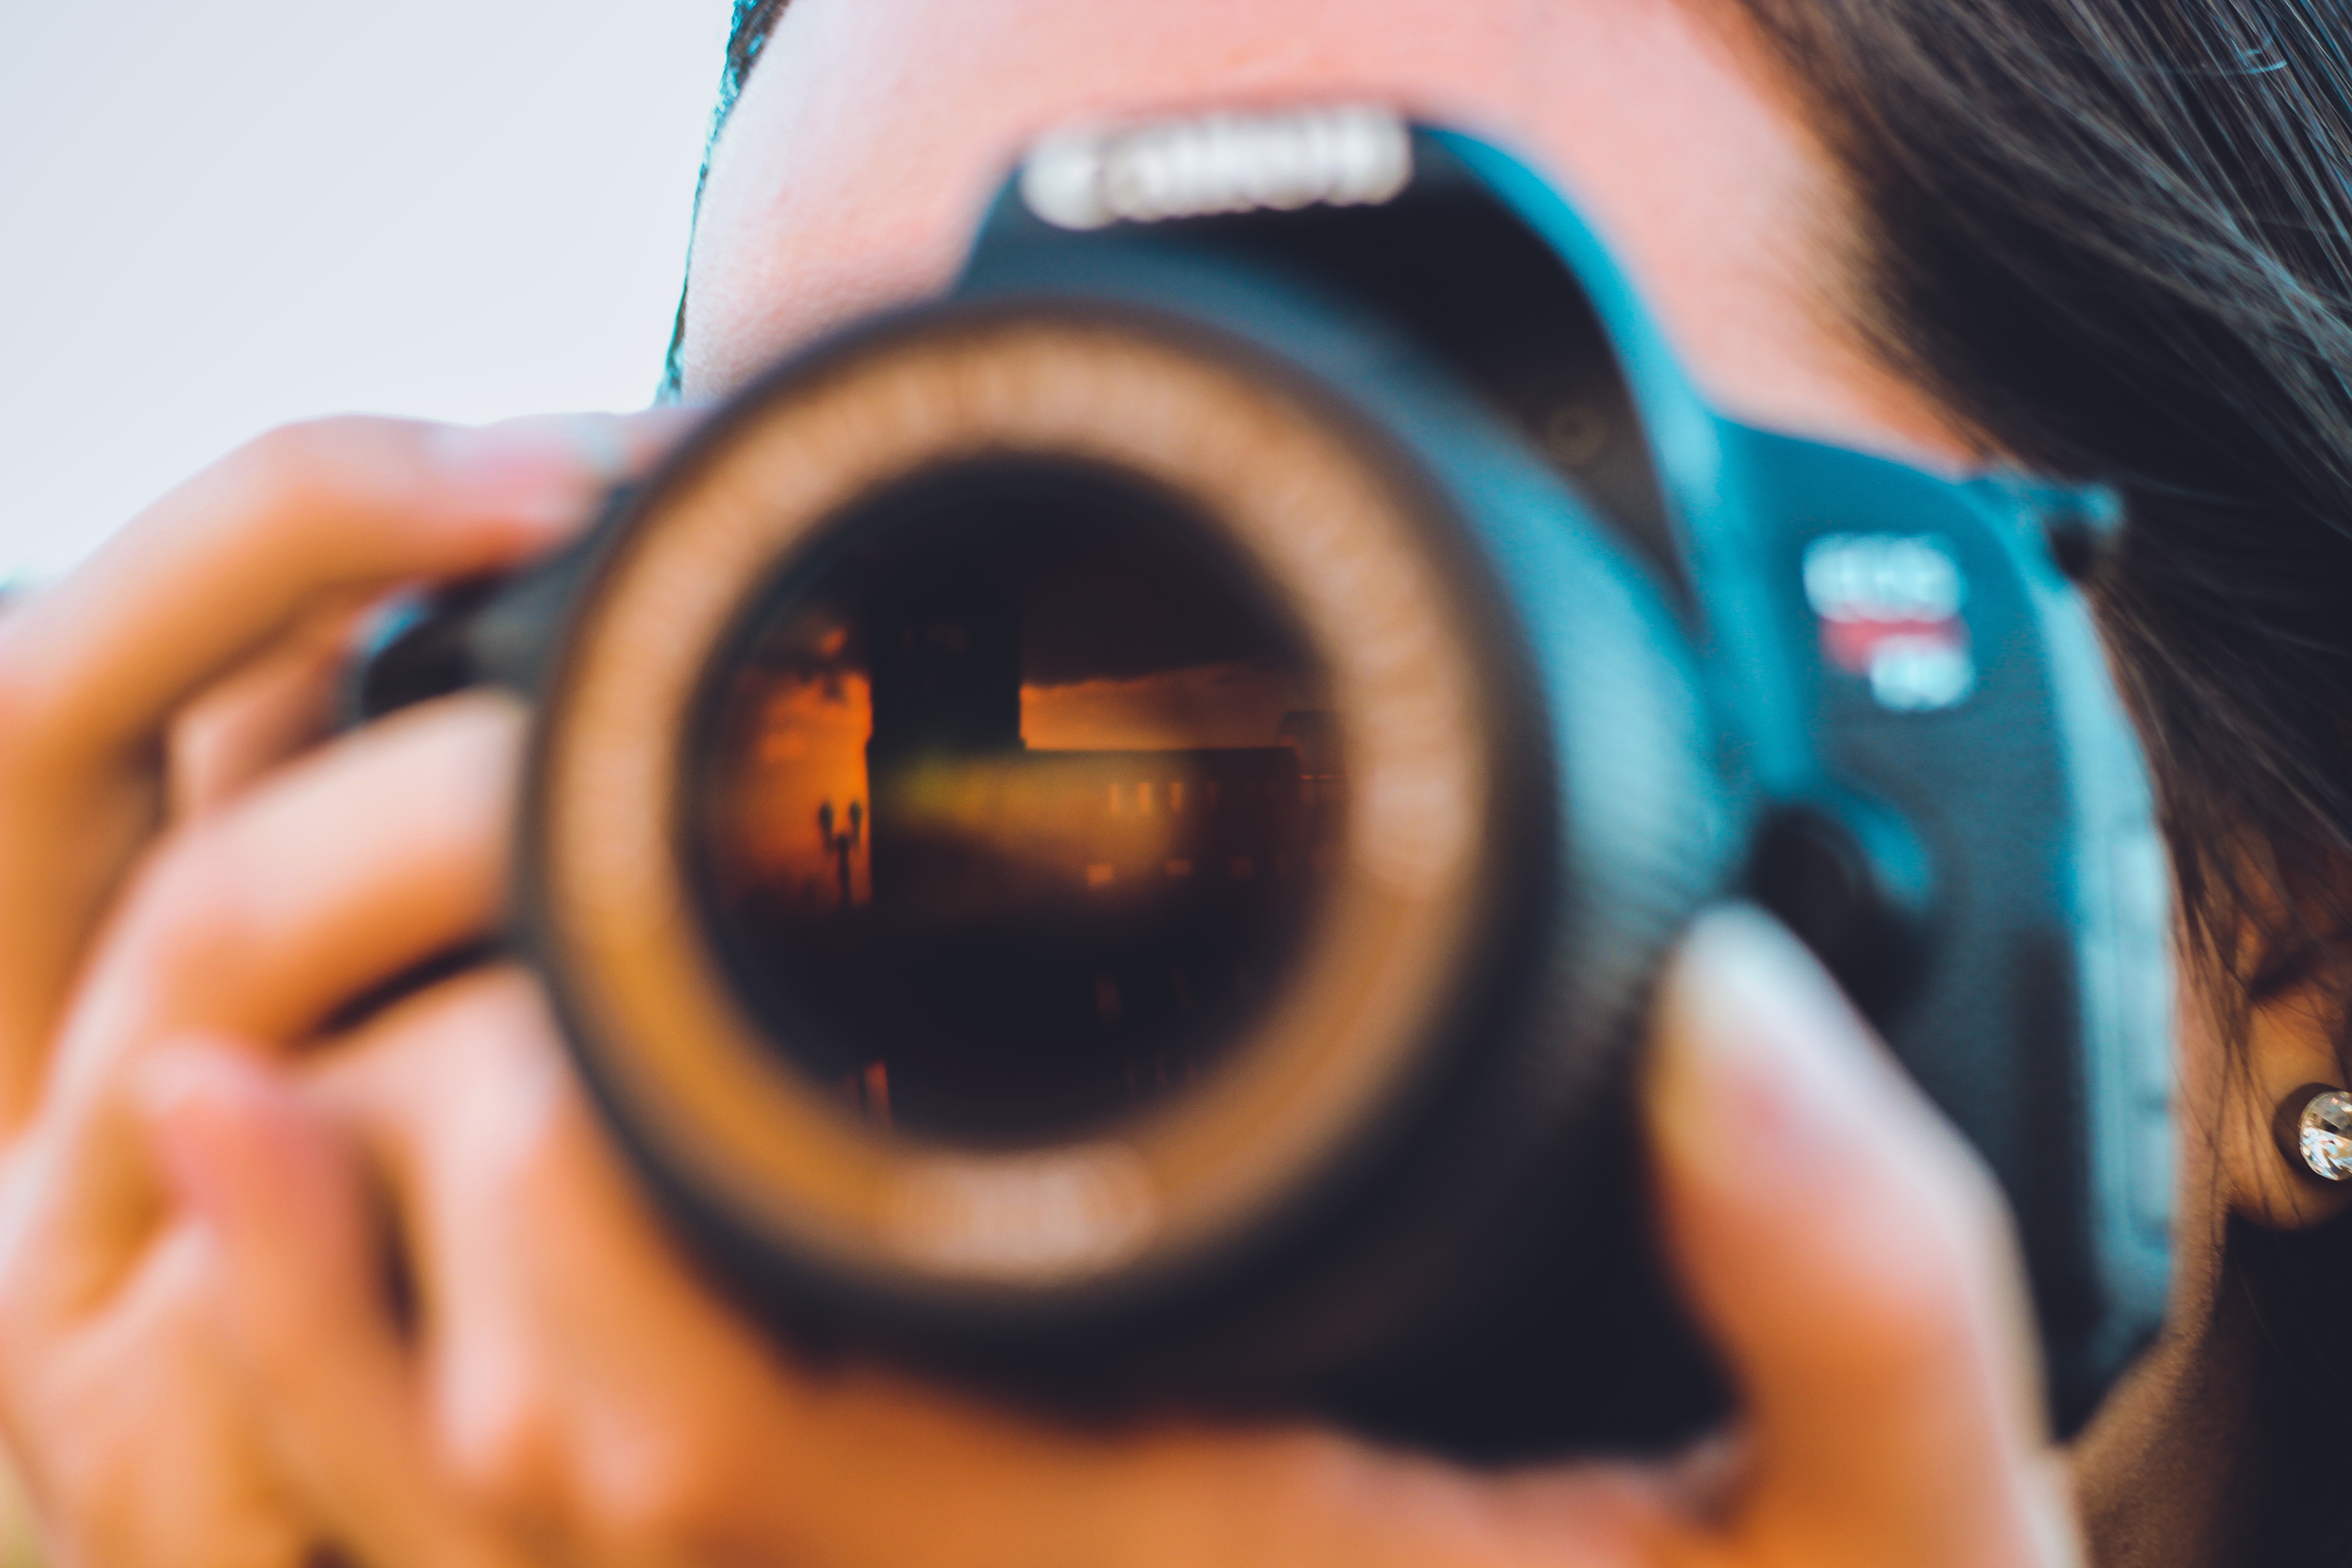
(1304,494)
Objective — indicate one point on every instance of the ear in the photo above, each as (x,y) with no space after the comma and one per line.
(2280,1045)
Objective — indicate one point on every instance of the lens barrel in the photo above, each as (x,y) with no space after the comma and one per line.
(1052,839)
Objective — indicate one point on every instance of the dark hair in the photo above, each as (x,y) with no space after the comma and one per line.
(747,35)
(2113,237)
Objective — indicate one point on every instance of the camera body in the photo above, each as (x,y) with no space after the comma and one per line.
(1585,656)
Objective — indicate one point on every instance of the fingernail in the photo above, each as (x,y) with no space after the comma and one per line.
(1761,1069)
(548,470)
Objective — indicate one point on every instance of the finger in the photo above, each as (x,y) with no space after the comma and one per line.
(304,1306)
(336,874)
(585,1382)
(1002,1490)
(1852,1261)
(259,919)
(220,566)
(92,668)
(582,1382)
(278,704)
(138,1444)
(286,698)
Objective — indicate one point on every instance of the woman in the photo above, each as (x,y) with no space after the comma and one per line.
(2103,237)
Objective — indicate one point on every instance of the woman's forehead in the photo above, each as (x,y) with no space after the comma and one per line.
(865,145)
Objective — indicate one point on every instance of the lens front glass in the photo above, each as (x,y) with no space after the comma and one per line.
(1012,795)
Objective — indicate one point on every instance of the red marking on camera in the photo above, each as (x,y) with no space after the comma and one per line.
(1853,645)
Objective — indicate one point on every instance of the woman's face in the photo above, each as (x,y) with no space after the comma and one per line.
(858,160)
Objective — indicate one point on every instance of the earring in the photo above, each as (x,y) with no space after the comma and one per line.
(2314,1129)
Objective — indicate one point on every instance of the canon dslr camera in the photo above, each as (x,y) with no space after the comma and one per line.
(1112,834)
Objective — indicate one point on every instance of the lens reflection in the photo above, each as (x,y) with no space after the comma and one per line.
(1015,796)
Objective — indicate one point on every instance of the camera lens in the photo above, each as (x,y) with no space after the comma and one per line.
(1011,799)
(1012,817)
(1119,849)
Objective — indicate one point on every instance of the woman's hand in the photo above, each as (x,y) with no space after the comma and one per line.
(391,1294)
(569,1385)
(166,834)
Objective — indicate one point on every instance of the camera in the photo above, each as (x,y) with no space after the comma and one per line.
(1110,834)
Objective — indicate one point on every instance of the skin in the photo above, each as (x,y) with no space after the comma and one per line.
(1658,118)
(202,1357)
(2164,1476)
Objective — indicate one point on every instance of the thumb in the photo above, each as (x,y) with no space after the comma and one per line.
(1853,1262)
(306,1309)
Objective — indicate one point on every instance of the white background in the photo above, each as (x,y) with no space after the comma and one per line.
(214,217)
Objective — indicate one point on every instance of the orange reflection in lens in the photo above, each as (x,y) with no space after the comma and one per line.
(1203,707)
(798,817)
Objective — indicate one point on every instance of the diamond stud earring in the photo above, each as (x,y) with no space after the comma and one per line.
(2314,1129)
